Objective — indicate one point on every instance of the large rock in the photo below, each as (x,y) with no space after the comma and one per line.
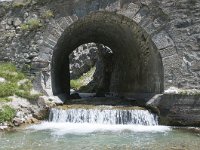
(82,59)
(177,109)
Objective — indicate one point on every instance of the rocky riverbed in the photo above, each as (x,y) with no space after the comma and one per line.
(27,111)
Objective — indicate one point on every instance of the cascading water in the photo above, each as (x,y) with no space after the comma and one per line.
(86,119)
(103,116)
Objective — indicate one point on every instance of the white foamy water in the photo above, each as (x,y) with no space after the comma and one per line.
(79,121)
(81,128)
(103,116)
(6,0)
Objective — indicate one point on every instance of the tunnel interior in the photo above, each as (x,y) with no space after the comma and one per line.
(136,63)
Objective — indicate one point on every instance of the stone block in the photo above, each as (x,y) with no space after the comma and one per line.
(162,40)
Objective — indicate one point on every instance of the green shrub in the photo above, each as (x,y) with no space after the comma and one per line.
(80,82)
(47,14)
(5,99)
(76,84)
(21,3)
(32,24)
(7,89)
(11,86)
(6,113)
(18,5)
(27,86)
(27,95)
(10,73)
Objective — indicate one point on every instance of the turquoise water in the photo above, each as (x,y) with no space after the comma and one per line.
(64,137)
(100,128)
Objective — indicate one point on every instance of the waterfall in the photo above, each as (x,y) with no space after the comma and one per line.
(79,119)
(103,116)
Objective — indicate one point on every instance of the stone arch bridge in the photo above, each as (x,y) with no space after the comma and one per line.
(155,43)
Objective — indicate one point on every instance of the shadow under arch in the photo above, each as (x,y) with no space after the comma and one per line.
(137,66)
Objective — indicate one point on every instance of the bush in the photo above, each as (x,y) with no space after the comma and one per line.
(47,14)
(32,24)
(27,95)
(12,86)
(6,113)
(7,89)
(5,99)
(10,73)
(82,81)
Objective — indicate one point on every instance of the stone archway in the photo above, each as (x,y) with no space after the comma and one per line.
(137,64)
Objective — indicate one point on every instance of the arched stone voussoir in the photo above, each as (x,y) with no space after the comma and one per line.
(162,40)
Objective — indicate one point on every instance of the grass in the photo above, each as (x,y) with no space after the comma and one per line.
(6,113)
(5,99)
(82,81)
(27,95)
(10,73)
(8,89)
(16,83)
(31,24)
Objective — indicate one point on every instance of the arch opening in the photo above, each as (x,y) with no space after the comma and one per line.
(91,67)
(136,63)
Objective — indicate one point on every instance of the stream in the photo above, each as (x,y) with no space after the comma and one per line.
(100,128)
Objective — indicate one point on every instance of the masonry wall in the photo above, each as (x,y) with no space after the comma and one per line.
(30,30)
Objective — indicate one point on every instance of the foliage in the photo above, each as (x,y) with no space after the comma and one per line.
(16,83)
(47,14)
(21,4)
(31,24)
(5,99)
(18,5)
(27,95)
(82,81)
(10,73)
(7,89)
(6,113)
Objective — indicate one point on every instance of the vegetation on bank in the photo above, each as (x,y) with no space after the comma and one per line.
(32,24)
(15,83)
(6,113)
(83,80)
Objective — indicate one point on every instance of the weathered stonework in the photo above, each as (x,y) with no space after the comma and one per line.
(177,109)
(173,26)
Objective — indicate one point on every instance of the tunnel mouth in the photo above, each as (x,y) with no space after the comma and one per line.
(91,69)
(137,65)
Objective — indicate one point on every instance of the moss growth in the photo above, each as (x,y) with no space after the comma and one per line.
(32,24)
(83,80)
(6,113)
(48,14)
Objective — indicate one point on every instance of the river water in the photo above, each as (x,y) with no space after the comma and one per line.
(100,128)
